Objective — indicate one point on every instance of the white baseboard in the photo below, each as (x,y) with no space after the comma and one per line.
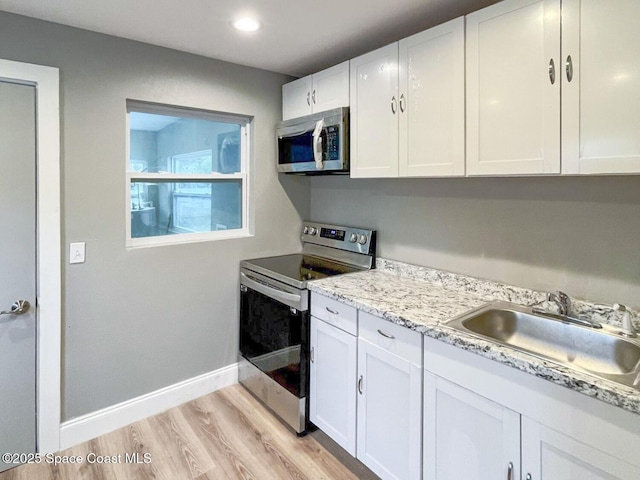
(108,419)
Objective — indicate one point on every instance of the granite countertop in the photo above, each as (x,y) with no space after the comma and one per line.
(422,299)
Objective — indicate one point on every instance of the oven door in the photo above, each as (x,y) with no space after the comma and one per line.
(274,331)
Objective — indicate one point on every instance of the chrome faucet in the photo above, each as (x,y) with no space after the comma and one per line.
(627,324)
(562,300)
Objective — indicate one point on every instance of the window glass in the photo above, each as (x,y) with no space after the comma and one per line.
(186,174)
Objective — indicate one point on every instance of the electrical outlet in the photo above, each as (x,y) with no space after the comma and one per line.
(76,252)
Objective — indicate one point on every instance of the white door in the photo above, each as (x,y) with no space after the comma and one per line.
(548,454)
(600,99)
(331,88)
(389,413)
(513,88)
(332,402)
(431,101)
(17,269)
(468,436)
(374,103)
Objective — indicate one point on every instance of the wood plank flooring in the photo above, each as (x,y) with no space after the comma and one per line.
(225,435)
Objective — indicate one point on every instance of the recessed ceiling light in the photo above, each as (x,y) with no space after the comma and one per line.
(247,24)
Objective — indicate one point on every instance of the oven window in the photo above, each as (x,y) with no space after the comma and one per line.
(275,340)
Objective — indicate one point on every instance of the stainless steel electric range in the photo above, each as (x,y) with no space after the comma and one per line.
(274,314)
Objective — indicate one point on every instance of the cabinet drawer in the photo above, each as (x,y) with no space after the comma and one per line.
(337,314)
(394,338)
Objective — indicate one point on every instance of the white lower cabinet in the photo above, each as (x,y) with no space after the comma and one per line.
(389,413)
(366,391)
(553,455)
(466,435)
(332,405)
(486,421)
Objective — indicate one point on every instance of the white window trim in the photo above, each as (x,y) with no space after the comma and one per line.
(245,123)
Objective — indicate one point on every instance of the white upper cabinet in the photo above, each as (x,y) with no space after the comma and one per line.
(407,106)
(374,113)
(431,73)
(601,103)
(321,91)
(513,88)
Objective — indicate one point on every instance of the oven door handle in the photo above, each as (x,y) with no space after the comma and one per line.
(269,290)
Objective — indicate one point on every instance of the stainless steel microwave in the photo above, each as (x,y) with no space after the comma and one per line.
(315,144)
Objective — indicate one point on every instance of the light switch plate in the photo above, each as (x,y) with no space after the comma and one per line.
(76,252)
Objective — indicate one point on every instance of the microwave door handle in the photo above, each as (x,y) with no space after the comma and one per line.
(270,291)
(317,144)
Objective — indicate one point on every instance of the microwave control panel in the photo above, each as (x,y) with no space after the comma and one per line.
(333,142)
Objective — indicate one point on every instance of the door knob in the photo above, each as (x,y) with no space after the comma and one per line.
(18,308)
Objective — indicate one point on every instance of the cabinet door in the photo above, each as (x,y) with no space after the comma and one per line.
(296,98)
(431,101)
(332,401)
(547,454)
(389,413)
(331,88)
(601,103)
(373,92)
(513,103)
(468,436)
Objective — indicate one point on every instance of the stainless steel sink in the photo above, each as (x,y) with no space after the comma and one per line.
(599,351)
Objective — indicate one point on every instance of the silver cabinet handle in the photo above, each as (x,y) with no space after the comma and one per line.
(386,334)
(568,66)
(313,97)
(552,71)
(510,471)
(360,385)
(528,477)
(332,311)
(312,360)
(394,105)
(309,98)
(18,308)
(402,99)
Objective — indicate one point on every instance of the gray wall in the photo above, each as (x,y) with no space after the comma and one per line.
(138,320)
(579,235)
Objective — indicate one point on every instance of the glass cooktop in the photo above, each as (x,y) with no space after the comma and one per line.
(297,269)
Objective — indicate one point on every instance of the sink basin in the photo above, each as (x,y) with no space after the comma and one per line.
(601,352)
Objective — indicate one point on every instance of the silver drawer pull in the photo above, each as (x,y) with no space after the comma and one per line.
(510,471)
(312,360)
(332,311)
(360,385)
(386,334)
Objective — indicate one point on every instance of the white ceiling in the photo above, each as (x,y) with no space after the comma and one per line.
(298,37)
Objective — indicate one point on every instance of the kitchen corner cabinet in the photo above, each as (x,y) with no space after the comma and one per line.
(600,72)
(321,91)
(407,106)
(510,425)
(513,88)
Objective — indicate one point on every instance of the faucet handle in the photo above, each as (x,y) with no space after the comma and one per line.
(627,324)
(562,300)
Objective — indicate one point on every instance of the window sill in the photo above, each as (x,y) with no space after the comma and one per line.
(182,238)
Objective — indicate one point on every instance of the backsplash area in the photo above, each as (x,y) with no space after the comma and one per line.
(575,234)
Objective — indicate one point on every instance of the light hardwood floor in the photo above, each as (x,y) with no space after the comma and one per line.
(224,435)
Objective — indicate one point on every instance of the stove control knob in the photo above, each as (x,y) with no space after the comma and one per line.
(362,239)
(353,238)
(306,229)
(313,230)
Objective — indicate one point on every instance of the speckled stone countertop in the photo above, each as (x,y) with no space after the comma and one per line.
(422,299)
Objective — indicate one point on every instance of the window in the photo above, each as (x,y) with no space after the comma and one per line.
(187,175)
